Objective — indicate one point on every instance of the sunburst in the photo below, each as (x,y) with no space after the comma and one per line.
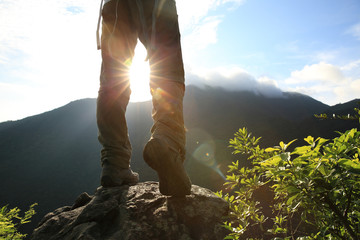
(140,76)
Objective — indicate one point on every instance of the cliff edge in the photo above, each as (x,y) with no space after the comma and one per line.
(135,213)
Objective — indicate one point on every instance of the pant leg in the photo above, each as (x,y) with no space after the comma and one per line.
(118,42)
(166,73)
(166,58)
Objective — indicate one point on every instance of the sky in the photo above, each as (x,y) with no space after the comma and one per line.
(48,54)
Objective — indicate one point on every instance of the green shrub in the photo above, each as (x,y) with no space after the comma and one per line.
(315,189)
(10,221)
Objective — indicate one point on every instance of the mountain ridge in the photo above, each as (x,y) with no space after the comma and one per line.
(51,158)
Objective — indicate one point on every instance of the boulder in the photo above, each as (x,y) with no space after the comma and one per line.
(135,213)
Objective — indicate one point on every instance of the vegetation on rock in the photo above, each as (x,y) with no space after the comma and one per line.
(315,189)
(10,221)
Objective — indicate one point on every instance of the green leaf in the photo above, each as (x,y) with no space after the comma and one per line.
(302,150)
(292,189)
(288,144)
(282,145)
(291,199)
(322,170)
(313,171)
(352,166)
(273,161)
(321,141)
(309,140)
(272,149)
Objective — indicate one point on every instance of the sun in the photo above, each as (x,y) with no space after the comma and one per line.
(140,76)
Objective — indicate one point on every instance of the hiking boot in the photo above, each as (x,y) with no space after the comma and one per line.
(114,177)
(167,162)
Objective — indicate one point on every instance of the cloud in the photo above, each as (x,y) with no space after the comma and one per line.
(48,54)
(24,23)
(23,100)
(3,59)
(233,79)
(45,34)
(199,23)
(236,2)
(49,48)
(351,65)
(233,3)
(203,34)
(321,72)
(192,12)
(349,91)
(327,82)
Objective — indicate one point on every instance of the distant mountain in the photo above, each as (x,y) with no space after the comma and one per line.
(53,157)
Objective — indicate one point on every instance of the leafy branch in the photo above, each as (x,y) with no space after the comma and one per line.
(10,221)
(316,189)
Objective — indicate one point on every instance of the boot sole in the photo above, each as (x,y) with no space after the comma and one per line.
(173,180)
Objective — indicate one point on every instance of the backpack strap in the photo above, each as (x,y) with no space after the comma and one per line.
(98,25)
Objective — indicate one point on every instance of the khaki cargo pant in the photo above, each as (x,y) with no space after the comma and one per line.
(121,27)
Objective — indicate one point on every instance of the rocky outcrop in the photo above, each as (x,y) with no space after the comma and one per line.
(136,213)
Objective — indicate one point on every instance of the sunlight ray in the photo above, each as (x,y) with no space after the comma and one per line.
(140,76)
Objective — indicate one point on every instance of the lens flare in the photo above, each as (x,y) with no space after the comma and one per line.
(205,155)
(205,150)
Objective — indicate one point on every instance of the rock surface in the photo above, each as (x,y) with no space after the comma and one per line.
(136,213)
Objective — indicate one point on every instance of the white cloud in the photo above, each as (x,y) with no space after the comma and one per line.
(352,69)
(352,65)
(199,23)
(48,53)
(192,12)
(3,59)
(202,35)
(24,23)
(236,2)
(328,83)
(348,91)
(233,3)
(21,101)
(233,79)
(321,72)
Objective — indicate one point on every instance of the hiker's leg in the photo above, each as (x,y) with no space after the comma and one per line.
(118,41)
(165,152)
